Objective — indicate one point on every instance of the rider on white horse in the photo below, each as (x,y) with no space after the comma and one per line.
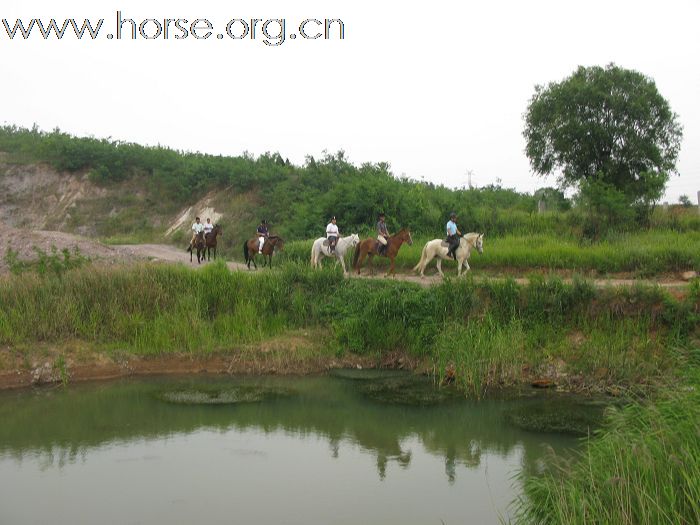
(332,234)
(318,250)
(453,235)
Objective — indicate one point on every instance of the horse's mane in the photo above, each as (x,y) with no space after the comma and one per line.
(470,236)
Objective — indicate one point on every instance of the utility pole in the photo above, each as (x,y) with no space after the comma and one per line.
(469,179)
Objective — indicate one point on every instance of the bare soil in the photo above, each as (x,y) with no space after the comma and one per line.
(285,355)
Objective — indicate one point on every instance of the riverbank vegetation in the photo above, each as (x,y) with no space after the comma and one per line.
(643,467)
(482,334)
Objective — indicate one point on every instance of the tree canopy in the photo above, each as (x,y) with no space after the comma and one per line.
(608,126)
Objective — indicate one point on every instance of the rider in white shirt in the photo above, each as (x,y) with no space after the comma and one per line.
(208,227)
(197,227)
(332,234)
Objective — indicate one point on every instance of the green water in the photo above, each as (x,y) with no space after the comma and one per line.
(317,450)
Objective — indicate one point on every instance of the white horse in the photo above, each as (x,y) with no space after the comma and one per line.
(319,250)
(438,248)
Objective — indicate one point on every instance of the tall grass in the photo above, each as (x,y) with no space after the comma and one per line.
(642,468)
(487,331)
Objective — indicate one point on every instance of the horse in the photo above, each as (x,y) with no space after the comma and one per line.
(321,249)
(250,249)
(369,247)
(438,248)
(210,239)
(200,245)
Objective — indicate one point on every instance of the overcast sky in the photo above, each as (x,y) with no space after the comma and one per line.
(434,88)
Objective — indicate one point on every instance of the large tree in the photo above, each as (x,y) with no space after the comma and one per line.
(607,126)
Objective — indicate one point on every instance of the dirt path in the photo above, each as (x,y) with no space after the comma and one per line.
(164,252)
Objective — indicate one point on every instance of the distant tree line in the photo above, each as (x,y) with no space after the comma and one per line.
(299,198)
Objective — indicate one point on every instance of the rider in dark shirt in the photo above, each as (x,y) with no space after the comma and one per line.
(382,234)
(262,234)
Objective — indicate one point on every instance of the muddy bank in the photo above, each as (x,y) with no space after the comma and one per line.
(54,366)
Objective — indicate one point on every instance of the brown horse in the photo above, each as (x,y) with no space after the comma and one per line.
(200,245)
(370,247)
(250,249)
(210,239)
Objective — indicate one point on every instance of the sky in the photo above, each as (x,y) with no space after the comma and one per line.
(436,89)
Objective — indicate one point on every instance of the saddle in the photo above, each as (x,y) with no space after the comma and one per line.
(326,243)
(445,244)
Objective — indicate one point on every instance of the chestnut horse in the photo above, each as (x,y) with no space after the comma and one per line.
(200,245)
(250,249)
(369,247)
(211,240)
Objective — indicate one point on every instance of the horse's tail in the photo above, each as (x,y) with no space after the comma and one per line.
(313,256)
(356,255)
(245,250)
(423,257)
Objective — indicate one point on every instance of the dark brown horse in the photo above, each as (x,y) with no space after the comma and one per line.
(200,245)
(370,247)
(250,249)
(210,239)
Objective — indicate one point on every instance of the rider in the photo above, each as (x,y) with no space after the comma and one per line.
(382,234)
(332,234)
(197,227)
(208,227)
(262,234)
(453,235)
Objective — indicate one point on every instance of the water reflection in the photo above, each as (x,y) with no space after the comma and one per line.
(63,426)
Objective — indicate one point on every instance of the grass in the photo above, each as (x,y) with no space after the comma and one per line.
(642,468)
(487,331)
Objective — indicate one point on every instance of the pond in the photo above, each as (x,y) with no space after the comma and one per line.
(342,449)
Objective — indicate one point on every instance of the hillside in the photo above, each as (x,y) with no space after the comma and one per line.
(37,196)
(112,188)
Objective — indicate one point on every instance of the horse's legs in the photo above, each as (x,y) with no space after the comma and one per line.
(360,260)
(424,265)
(342,263)
(370,256)
(439,267)
(391,268)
